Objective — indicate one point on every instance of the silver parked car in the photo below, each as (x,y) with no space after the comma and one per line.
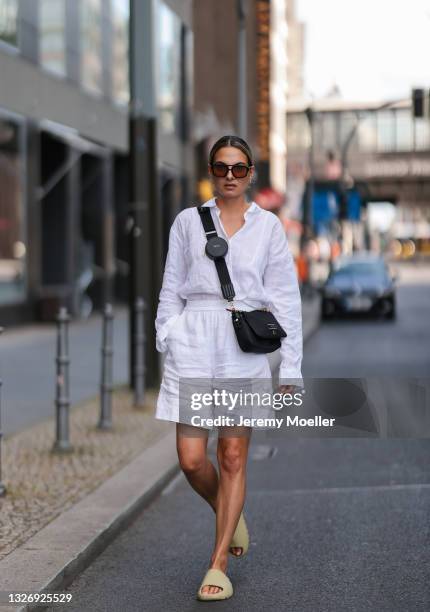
(359,283)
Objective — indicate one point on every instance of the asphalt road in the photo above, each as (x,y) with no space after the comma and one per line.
(335,524)
(359,346)
(338,524)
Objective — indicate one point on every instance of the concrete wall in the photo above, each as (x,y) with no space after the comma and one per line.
(37,95)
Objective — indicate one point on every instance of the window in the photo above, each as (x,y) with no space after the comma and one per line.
(348,126)
(386,130)
(91,45)
(52,35)
(12,222)
(298,132)
(169,66)
(367,131)
(317,131)
(8,21)
(422,134)
(188,86)
(404,130)
(120,10)
(329,127)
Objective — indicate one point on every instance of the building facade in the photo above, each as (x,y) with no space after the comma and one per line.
(295,53)
(64,148)
(64,127)
(217,75)
(220,74)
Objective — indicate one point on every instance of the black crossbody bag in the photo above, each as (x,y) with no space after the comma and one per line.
(257,331)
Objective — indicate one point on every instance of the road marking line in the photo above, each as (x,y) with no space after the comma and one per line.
(392,487)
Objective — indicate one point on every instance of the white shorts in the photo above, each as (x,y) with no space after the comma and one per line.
(202,344)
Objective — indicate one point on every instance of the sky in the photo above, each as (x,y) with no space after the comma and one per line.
(372,49)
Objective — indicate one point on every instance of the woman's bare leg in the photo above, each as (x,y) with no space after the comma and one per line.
(198,469)
(232,453)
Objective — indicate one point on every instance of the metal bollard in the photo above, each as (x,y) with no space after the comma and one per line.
(106,385)
(139,340)
(2,486)
(62,400)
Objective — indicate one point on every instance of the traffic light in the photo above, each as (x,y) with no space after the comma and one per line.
(420,103)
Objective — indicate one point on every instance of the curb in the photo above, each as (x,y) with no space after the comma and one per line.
(314,324)
(50,560)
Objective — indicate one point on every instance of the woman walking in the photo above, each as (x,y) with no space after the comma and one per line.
(196,332)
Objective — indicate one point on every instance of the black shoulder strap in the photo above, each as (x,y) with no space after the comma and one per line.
(221,267)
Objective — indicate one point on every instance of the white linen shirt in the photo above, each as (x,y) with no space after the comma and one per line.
(261,269)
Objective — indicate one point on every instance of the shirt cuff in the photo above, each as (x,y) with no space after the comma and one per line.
(290,376)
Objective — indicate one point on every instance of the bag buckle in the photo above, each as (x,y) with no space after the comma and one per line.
(233,308)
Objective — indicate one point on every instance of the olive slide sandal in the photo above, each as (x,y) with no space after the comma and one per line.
(240,537)
(217,578)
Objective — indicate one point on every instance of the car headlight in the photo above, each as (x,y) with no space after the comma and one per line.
(384,292)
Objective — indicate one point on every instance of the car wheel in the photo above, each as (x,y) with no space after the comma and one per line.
(391,315)
(327,310)
(389,311)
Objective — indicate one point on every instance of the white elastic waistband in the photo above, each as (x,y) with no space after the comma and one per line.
(220,304)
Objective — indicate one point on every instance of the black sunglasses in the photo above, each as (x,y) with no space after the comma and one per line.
(220,169)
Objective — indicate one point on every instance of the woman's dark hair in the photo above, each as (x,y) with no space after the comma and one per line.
(231,141)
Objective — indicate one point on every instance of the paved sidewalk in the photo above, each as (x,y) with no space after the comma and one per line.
(41,484)
(62,509)
(27,366)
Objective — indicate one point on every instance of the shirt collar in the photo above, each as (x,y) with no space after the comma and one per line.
(212,203)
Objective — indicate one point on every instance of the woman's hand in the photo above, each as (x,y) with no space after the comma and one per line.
(286,388)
